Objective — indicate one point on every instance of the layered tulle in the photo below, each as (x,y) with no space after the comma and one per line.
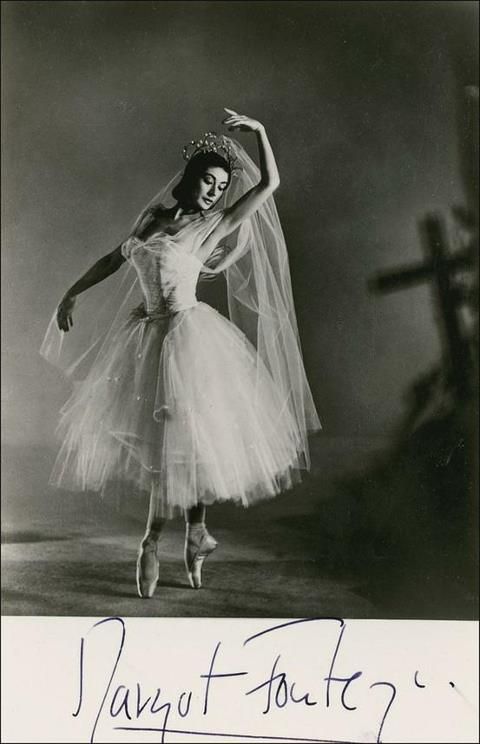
(182,400)
(182,403)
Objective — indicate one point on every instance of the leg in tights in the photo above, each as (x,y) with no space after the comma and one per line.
(155,524)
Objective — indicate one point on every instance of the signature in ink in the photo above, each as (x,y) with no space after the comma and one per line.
(130,708)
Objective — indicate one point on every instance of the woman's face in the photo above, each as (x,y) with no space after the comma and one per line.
(210,187)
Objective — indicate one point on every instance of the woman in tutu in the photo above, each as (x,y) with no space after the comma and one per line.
(179,400)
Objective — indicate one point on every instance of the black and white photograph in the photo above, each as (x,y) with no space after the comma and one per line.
(240,310)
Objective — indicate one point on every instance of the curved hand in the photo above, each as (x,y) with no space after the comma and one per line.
(241,122)
(64,313)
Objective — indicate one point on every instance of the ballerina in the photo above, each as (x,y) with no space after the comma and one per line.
(179,400)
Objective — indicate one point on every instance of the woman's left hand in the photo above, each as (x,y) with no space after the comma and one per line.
(243,123)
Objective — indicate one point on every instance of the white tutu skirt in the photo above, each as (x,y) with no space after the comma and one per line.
(183,407)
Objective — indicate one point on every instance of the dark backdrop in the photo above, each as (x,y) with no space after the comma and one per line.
(361,104)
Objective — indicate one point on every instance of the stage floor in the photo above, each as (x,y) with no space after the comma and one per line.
(75,556)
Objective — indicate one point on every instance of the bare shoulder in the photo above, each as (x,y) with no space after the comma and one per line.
(155,218)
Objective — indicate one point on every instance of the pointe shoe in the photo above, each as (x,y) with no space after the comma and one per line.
(198,546)
(148,567)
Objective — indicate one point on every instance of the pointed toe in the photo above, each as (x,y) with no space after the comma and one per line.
(199,544)
(148,568)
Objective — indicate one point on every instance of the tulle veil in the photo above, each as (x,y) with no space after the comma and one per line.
(259,294)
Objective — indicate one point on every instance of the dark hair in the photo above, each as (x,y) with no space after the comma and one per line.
(194,169)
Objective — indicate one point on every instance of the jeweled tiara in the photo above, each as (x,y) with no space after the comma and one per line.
(212,142)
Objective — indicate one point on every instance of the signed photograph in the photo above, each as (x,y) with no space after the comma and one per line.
(240,333)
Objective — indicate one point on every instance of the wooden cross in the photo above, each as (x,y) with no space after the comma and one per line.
(440,267)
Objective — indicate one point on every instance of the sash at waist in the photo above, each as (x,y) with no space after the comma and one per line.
(140,313)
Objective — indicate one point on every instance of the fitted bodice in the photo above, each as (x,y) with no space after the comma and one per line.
(168,266)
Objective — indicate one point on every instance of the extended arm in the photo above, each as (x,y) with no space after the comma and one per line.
(252,199)
(100,270)
(269,177)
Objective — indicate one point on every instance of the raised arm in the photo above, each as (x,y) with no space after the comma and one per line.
(105,266)
(269,177)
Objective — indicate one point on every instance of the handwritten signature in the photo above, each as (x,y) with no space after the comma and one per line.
(132,706)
